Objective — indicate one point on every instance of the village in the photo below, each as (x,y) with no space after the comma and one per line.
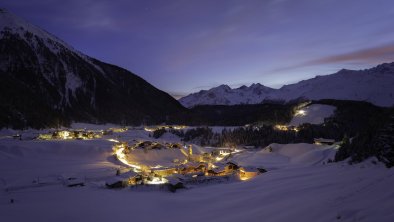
(147,162)
(168,162)
(78,134)
(210,165)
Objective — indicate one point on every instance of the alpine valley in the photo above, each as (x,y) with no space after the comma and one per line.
(83,140)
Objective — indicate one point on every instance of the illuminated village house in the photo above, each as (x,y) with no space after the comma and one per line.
(195,169)
(322,141)
(123,180)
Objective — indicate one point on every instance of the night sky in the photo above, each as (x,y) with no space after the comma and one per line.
(184,46)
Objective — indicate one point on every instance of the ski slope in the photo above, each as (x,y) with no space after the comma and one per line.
(313,114)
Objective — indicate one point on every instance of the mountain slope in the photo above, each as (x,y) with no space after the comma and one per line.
(224,95)
(373,85)
(45,82)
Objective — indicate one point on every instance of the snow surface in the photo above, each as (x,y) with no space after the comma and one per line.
(90,126)
(286,155)
(299,186)
(314,114)
(374,85)
(163,157)
(73,82)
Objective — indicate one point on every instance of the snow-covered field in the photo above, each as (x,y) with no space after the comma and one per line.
(299,186)
(286,155)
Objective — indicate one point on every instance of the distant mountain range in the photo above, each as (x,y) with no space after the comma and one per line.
(224,95)
(375,85)
(45,82)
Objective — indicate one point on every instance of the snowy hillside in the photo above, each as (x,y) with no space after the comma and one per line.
(299,186)
(277,156)
(373,85)
(45,82)
(224,95)
(313,114)
(17,25)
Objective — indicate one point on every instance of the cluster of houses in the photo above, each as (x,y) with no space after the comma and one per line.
(197,168)
(147,145)
(154,128)
(189,173)
(286,128)
(79,134)
(217,154)
(71,135)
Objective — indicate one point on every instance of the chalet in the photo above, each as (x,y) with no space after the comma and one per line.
(174,183)
(246,173)
(133,178)
(261,169)
(17,136)
(207,157)
(218,171)
(163,171)
(123,180)
(45,136)
(231,166)
(118,130)
(185,169)
(222,152)
(175,146)
(116,182)
(145,144)
(71,135)
(73,180)
(107,132)
(322,141)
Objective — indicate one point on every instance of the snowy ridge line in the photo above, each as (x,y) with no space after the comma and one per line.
(20,26)
(372,85)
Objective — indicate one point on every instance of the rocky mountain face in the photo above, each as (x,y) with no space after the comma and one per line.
(45,82)
(373,85)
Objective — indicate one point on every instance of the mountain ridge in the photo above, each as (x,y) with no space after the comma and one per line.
(45,82)
(225,95)
(373,85)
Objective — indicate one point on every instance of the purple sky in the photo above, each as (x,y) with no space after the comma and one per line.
(183,46)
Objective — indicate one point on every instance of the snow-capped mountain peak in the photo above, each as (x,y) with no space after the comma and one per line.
(222,88)
(16,25)
(373,85)
(42,75)
(225,95)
